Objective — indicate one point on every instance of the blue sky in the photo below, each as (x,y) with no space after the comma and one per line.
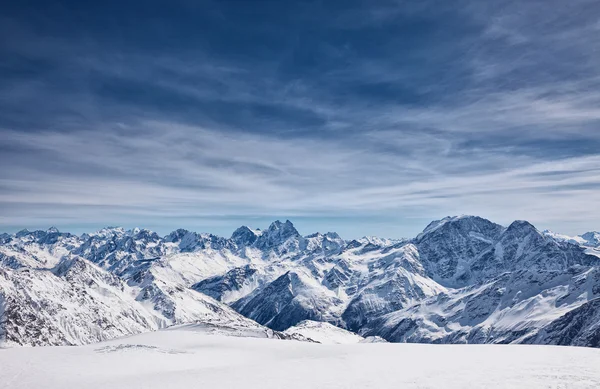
(363,117)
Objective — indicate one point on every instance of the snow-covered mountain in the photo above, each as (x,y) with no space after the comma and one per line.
(589,239)
(59,289)
(462,280)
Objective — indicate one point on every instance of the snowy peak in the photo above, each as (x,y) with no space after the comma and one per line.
(244,236)
(283,237)
(525,234)
(591,239)
(284,230)
(188,241)
(145,235)
(447,247)
(326,242)
(461,224)
(176,236)
(521,227)
(381,242)
(578,240)
(49,237)
(109,231)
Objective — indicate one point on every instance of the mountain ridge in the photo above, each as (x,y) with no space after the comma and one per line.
(278,278)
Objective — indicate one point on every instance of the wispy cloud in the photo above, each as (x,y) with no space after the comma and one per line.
(416,111)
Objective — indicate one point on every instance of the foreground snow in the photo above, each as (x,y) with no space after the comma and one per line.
(188,357)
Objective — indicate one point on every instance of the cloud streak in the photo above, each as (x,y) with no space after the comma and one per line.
(415,112)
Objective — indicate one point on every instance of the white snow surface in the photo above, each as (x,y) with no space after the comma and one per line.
(188,357)
(324,333)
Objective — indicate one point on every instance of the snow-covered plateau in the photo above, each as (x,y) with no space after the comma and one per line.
(188,357)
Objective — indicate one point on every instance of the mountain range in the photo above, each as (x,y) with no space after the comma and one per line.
(463,279)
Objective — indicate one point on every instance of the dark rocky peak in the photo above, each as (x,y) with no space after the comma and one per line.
(369,247)
(69,264)
(145,235)
(186,240)
(290,280)
(353,244)
(24,232)
(5,238)
(447,247)
(333,236)
(176,236)
(277,234)
(285,230)
(519,230)
(244,236)
(331,243)
(521,227)
(77,269)
(189,241)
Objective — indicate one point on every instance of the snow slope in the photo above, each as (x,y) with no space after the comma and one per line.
(187,357)
(324,333)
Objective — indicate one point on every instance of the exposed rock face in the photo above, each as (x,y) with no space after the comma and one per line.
(447,247)
(579,327)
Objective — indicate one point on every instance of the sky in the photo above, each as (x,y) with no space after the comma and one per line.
(361,117)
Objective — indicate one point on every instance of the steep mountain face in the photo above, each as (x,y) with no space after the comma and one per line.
(69,300)
(223,286)
(74,303)
(579,327)
(447,247)
(462,280)
(288,300)
(280,238)
(244,236)
(393,281)
(521,246)
(511,308)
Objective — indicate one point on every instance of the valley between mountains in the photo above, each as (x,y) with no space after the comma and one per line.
(463,279)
